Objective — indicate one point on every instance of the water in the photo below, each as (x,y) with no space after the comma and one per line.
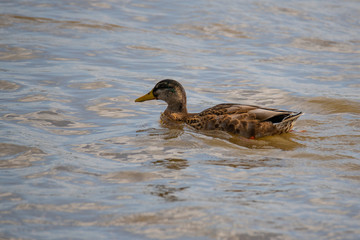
(81,160)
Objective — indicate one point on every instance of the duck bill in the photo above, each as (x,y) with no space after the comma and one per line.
(146,97)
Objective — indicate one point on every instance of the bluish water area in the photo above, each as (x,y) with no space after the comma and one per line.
(79,159)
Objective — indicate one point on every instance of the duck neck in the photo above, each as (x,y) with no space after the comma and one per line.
(177,107)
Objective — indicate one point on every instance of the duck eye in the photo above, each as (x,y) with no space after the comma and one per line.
(166,86)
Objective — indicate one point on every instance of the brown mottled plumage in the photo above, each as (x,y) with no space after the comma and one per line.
(245,120)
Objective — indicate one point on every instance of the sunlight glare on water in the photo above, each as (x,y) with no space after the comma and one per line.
(79,159)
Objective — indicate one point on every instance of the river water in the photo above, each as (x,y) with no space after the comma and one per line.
(79,159)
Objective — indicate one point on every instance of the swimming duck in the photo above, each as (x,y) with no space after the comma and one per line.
(244,120)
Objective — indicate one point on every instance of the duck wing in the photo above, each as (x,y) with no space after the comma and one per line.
(248,111)
(245,120)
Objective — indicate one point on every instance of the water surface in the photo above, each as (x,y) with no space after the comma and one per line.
(81,160)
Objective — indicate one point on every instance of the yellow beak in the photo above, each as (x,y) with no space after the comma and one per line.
(146,97)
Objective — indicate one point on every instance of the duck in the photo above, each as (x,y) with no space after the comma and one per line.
(248,121)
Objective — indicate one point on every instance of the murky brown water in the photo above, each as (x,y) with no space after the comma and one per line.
(81,160)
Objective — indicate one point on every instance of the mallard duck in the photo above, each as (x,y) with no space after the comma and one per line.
(244,120)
